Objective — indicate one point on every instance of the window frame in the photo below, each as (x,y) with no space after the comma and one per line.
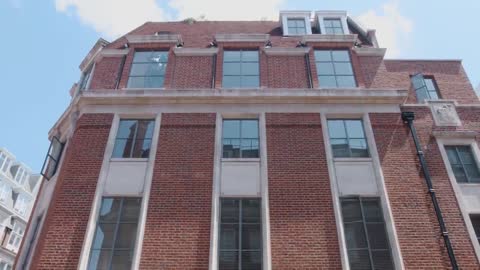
(475,162)
(166,51)
(424,85)
(240,62)
(326,28)
(241,138)
(86,78)
(296,19)
(117,224)
(240,223)
(332,62)
(370,250)
(477,216)
(347,138)
(134,139)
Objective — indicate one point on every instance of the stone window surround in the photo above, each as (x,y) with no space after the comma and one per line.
(321,15)
(285,15)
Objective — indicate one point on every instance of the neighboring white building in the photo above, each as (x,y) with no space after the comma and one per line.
(18,190)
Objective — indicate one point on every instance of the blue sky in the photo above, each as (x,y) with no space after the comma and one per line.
(44,41)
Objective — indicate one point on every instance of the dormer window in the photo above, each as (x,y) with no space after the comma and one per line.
(295,23)
(296,26)
(333,26)
(331,22)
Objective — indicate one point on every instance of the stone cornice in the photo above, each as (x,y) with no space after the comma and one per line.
(195,51)
(286,51)
(370,51)
(242,37)
(111,53)
(463,134)
(160,38)
(99,45)
(330,38)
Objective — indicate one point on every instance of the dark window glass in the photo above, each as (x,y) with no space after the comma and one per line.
(476,225)
(134,138)
(296,26)
(115,235)
(463,164)
(334,69)
(365,234)
(347,138)
(240,138)
(241,69)
(148,69)
(240,234)
(425,88)
(86,78)
(52,159)
(333,26)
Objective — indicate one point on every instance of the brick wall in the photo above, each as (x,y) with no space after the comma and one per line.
(192,72)
(416,224)
(302,222)
(106,73)
(61,239)
(177,231)
(287,72)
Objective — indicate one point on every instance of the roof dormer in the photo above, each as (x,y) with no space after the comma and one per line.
(332,22)
(295,23)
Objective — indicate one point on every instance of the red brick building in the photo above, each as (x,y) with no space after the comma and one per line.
(285,144)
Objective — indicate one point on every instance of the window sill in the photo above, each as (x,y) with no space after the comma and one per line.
(352,159)
(469,184)
(128,159)
(240,159)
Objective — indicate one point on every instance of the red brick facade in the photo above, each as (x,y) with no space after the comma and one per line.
(303,228)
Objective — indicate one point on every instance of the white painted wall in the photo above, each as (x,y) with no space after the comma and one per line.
(125,178)
(240,178)
(356,177)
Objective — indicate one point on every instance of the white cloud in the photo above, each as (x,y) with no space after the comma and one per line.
(230,10)
(112,17)
(392,28)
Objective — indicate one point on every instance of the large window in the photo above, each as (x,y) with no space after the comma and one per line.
(476,225)
(333,26)
(365,234)
(240,138)
(296,26)
(425,87)
(347,138)
(148,69)
(240,69)
(240,234)
(4,162)
(115,235)
(334,68)
(5,192)
(5,266)
(463,164)
(86,77)
(16,237)
(134,138)
(50,164)
(21,204)
(21,176)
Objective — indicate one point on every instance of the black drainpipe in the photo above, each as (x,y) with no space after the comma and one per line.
(309,72)
(120,71)
(214,70)
(408,118)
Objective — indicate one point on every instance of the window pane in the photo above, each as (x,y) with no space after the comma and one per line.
(145,82)
(229,211)
(328,23)
(251,260)
(251,236)
(377,236)
(292,23)
(429,84)
(372,211)
(104,236)
(251,211)
(343,69)
(250,69)
(452,155)
(141,149)
(336,23)
(336,129)
(231,56)
(359,260)
(330,31)
(472,173)
(231,129)
(122,148)
(338,31)
(229,236)
(327,81)
(122,260)
(249,56)
(354,128)
(249,148)
(358,147)
(150,56)
(346,81)
(148,69)
(324,56)
(231,69)
(145,129)
(459,173)
(127,128)
(476,224)
(250,81)
(131,209)
(231,81)
(355,235)
(325,68)
(109,210)
(99,260)
(228,260)
(382,260)
(340,56)
(465,155)
(126,236)
(231,148)
(340,147)
(249,128)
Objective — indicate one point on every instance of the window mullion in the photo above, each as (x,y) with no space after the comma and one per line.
(462,164)
(240,234)
(117,225)
(366,233)
(241,137)
(134,138)
(348,138)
